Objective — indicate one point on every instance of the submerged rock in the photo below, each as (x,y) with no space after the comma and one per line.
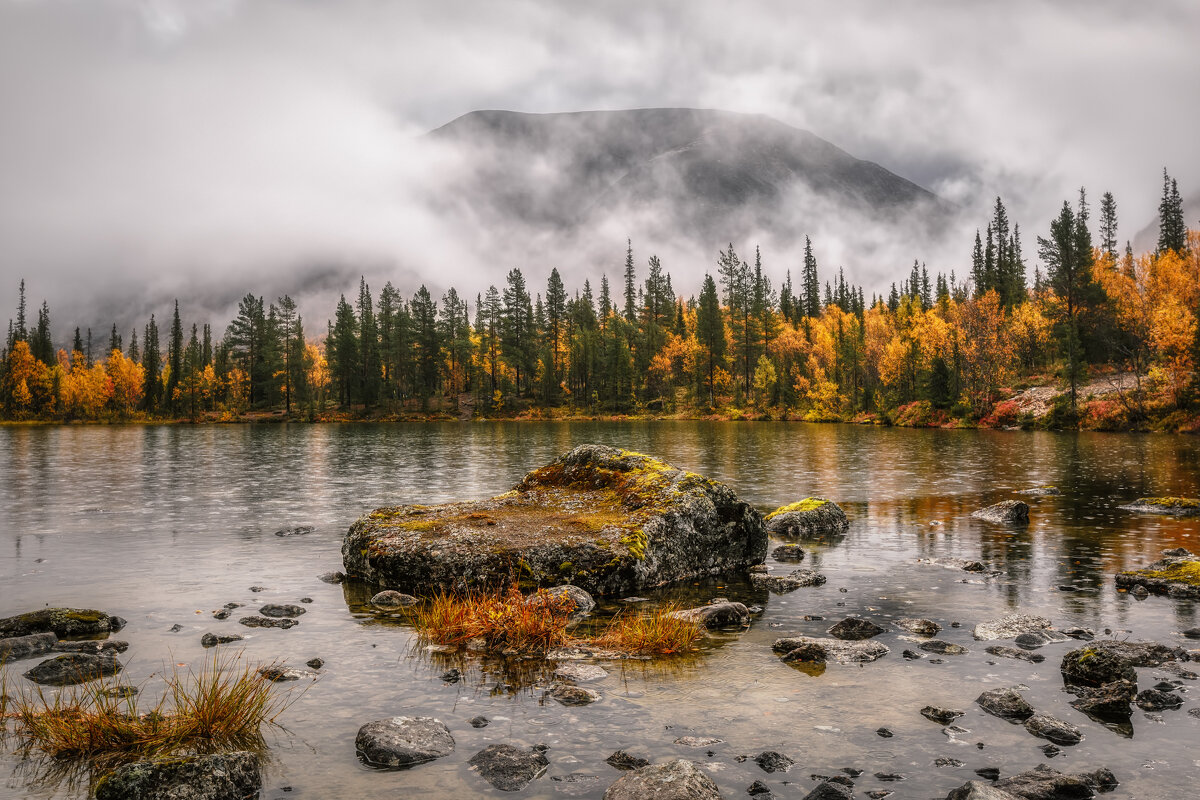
(1011,512)
(299,530)
(674,780)
(1157,700)
(855,628)
(267,622)
(217,776)
(18,647)
(73,668)
(580,673)
(943,648)
(626,762)
(613,521)
(509,768)
(772,761)
(977,790)
(1175,575)
(403,741)
(716,615)
(214,639)
(782,584)
(1045,783)
(93,646)
(834,649)
(61,622)
(810,515)
(1013,652)
(1041,491)
(942,716)
(921,627)
(281,610)
(1007,704)
(1054,729)
(277,674)
(1032,640)
(965,564)
(568,695)
(1173,506)
(392,599)
(1009,627)
(788,552)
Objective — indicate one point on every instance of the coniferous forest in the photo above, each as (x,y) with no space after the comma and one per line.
(1114,334)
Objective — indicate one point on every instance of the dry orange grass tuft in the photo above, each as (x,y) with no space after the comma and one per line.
(538,623)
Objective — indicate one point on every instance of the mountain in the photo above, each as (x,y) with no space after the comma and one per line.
(716,174)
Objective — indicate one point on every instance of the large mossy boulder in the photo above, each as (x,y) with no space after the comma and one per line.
(1173,506)
(812,515)
(607,520)
(1175,575)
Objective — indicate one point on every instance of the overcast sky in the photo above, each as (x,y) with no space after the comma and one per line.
(205,148)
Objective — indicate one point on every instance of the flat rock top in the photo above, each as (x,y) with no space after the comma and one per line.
(603,496)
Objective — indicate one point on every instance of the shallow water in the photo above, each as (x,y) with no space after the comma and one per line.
(162,525)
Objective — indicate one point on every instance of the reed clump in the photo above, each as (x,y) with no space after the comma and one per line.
(221,706)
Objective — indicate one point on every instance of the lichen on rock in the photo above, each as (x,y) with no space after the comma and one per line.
(1175,575)
(809,516)
(607,520)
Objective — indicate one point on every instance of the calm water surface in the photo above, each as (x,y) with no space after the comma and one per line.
(162,525)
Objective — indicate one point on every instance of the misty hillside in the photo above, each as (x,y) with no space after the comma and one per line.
(715,173)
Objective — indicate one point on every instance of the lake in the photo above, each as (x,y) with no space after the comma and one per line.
(163,525)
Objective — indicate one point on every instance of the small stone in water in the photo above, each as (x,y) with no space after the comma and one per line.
(451,676)
(884,732)
(479,722)
(625,762)
(314,663)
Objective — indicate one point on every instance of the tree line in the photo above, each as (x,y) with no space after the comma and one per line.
(932,349)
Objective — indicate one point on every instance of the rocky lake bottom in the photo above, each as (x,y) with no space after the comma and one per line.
(166,526)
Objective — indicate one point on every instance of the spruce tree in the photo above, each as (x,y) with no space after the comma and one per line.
(174,358)
(710,333)
(152,364)
(287,324)
(1172,230)
(1108,225)
(630,285)
(811,283)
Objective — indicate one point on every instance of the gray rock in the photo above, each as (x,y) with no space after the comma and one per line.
(568,695)
(62,622)
(1044,783)
(1009,627)
(943,648)
(1171,506)
(72,668)
(15,648)
(977,790)
(830,790)
(299,530)
(267,622)
(626,762)
(1157,700)
(772,761)
(940,715)
(583,601)
(667,525)
(218,776)
(509,768)
(1012,652)
(1011,512)
(281,610)
(1192,633)
(760,790)
(1087,634)
(788,552)
(479,722)
(1054,729)
(810,516)
(716,615)
(1041,491)
(277,674)
(1139,592)
(781,584)
(921,627)
(672,780)
(1110,702)
(332,577)
(580,673)
(835,649)
(946,761)
(1094,665)
(1006,704)
(315,663)
(214,639)
(855,628)
(698,741)
(809,652)
(1141,654)
(1032,640)
(403,741)
(392,599)
(965,564)
(93,646)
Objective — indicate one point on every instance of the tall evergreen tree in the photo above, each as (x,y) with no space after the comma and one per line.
(811,282)
(1108,225)
(174,358)
(630,285)
(341,349)
(287,326)
(152,364)
(1172,230)
(370,373)
(427,343)
(710,333)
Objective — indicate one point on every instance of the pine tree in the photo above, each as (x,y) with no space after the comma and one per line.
(978,267)
(370,372)
(134,354)
(287,325)
(341,350)
(1067,254)
(630,285)
(517,333)
(152,364)
(811,283)
(1172,230)
(556,313)
(427,342)
(1108,225)
(114,340)
(174,358)
(710,332)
